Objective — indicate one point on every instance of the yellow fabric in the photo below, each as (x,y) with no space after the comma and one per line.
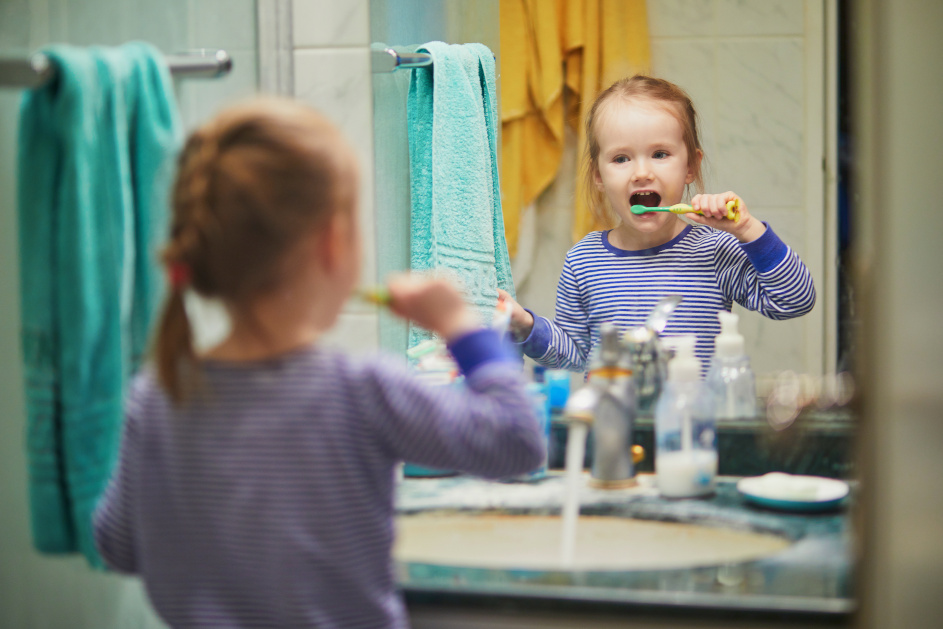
(547,46)
(531,105)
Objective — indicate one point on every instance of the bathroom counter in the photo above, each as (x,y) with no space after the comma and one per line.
(809,581)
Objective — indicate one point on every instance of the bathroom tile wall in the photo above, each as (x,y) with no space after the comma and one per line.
(331,59)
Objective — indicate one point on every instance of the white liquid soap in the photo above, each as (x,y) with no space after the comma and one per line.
(685,439)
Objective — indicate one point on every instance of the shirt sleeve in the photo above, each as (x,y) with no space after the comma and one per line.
(765,275)
(112,521)
(485,426)
(565,342)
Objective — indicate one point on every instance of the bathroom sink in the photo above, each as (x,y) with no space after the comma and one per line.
(497,539)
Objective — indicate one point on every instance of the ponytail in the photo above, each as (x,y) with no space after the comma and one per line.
(173,350)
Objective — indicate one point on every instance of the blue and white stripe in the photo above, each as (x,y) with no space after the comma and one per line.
(268,502)
(710,269)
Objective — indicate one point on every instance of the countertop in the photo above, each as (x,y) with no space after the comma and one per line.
(811,579)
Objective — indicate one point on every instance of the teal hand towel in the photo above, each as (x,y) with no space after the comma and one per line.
(456,224)
(94,161)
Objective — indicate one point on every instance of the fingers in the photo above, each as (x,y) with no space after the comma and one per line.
(714,206)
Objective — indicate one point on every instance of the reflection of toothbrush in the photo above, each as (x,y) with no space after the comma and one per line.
(733,209)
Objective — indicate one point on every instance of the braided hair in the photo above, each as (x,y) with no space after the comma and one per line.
(251,184)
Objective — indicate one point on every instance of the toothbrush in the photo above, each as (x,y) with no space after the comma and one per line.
(733,209)
(379,295)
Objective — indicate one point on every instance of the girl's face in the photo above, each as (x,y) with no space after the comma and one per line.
(642,161)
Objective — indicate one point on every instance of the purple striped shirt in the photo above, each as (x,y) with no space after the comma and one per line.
(268,501)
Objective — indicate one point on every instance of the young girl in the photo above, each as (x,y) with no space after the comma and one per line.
(643,149)
(255,482)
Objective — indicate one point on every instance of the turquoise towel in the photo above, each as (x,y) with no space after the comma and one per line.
(94,149)
(456,221)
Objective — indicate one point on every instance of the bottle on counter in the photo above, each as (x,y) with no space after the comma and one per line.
(730,380)
(685,439)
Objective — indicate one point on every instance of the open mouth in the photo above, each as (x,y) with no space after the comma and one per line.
(647,198)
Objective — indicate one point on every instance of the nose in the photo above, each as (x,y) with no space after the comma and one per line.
(643,171)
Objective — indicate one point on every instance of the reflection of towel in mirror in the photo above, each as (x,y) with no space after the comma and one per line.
(93,163)
(456,221)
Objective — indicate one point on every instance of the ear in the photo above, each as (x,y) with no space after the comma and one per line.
(327,244)
(693,170)
(597,178)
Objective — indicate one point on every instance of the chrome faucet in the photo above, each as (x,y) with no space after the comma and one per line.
(607,402)
(625,376)
(649,359)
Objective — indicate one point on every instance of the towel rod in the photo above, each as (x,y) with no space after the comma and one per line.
(388,60)
(36,70)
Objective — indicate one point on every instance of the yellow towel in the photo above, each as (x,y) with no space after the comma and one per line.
(598,41)
(604,41)
(531,105)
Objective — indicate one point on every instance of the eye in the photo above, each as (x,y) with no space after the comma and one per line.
(660,154)
(620,159)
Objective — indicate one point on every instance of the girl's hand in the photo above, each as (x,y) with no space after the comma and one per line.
(522,322)
(433,303)
(714,207)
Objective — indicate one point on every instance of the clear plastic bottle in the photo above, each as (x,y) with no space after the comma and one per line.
(685,446)
(730,379)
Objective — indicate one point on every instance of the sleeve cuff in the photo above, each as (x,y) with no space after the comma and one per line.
(767,251)
(537,342)
(478,348)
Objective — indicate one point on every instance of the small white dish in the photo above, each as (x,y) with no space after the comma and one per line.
(793,492)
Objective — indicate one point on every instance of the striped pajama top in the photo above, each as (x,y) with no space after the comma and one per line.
(268,501)
(710,269)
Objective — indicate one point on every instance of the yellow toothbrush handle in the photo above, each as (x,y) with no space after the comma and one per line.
(733,209)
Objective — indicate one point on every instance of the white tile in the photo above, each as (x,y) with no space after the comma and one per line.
(760,107)
(691,66)
(760,17)
(222,24)
(319,23)
(680,18)
(338,82)
(355,332)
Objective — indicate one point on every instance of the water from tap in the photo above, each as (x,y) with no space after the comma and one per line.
(575,449)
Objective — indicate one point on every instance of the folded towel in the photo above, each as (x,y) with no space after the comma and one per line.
(456,221)
(94,149)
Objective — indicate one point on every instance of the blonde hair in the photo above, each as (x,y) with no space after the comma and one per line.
(251,184)
(638,87)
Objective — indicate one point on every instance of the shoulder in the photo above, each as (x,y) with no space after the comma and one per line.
(589,246)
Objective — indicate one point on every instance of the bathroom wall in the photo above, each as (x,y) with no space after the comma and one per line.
(53,591)
(756,70)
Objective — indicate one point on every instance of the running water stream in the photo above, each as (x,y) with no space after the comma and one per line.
(575,448)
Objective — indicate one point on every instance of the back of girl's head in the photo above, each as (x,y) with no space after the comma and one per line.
(638,88)
(251,184)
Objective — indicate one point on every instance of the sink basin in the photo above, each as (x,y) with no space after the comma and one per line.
(499,540)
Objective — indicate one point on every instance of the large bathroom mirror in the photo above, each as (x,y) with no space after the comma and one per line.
(764,78)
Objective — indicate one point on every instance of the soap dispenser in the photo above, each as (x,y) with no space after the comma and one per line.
(730,379)
(685,440)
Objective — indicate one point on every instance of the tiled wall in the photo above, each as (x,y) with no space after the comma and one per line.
(754,69)
(331,60)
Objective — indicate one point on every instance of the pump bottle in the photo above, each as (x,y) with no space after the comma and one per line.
(685,440)
(730,380)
